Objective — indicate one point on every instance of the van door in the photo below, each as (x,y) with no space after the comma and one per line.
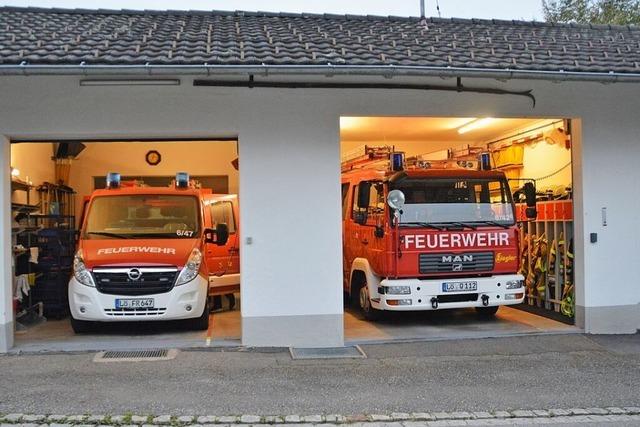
(224,261)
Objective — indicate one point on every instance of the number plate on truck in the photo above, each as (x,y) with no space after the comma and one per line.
(135,303)
(459,286)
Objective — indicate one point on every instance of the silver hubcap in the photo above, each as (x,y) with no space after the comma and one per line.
(365,304)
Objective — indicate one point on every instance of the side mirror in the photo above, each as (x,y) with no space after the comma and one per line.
(219,236)
(531,213)
(364,190)
(530,194)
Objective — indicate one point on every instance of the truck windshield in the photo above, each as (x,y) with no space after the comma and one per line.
(470,202)
(142,216)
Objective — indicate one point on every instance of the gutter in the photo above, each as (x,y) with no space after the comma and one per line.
(327,70)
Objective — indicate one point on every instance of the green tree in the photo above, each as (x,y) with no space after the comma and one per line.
(619,12)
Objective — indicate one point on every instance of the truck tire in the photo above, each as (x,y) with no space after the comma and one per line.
(200,323)
(487,312)
(364,304)
(81,326)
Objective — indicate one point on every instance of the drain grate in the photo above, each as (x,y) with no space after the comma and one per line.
(351,352)
(152,355)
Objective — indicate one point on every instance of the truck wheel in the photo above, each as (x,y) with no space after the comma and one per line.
(201,323)
(81,326)
(487,312)
(364,302)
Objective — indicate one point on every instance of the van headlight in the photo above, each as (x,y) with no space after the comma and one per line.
(80,271)
(397,290)
(191,268)
(515,284)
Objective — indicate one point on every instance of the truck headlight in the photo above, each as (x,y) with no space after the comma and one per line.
(80,271)
(397,290)
(191,268)
(515,284)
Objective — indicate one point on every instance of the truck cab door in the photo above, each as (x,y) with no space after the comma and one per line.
(364,240)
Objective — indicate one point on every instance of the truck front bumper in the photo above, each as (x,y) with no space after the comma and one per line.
(429,295)
(181,302)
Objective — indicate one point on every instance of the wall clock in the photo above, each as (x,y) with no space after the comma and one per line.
(153,157)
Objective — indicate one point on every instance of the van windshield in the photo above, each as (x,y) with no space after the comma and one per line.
(142,216)
(477,201)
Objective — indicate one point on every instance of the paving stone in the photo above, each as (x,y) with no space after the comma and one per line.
(185,419)
(206,419)
(56,418)
(559,412)
(273,419)
(462,415)
(250,419)
(149,425)
(314,419)
(59,425)
(597,411)
(400,416)
(482,415)
(13,418)
(578,411)
(96,419)
(615,410)
(33,418)
(441,416)
(422,416)
(379,418)
(292,419)
(229,419)
(29,425)
(541,413)
(76,419)
(522,413)
(118,419)
(335,418)
(502,414)
(632,410)
(162,419)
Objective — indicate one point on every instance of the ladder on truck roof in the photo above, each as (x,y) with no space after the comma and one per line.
(355,159)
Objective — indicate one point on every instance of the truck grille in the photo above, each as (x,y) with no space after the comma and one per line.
(455,263)
(134,281)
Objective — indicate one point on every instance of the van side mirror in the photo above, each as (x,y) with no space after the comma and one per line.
(219,236)
(364,190)
(360,217)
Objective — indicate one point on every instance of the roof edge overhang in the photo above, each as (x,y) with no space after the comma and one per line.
(328,70)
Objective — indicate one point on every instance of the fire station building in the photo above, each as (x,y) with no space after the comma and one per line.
(289,97)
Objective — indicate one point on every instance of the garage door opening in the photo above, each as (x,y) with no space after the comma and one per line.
(456,227)
(135,209)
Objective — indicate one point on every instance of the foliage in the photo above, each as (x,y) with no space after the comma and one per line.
(620,12)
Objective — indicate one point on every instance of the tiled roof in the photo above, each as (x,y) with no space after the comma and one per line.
(70,37)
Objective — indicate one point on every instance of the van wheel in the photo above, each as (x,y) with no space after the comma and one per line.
(201,323)
(364,302)
(81,326)
(487,312)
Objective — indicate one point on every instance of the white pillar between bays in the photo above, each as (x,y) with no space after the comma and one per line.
(6,295)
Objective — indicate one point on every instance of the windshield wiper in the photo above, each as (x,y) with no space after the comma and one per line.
(108,234)
(459,224)
(494,223)
(425,224)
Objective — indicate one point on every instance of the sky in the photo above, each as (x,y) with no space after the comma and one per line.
(498,9)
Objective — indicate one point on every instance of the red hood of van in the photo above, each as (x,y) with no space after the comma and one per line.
(136,252)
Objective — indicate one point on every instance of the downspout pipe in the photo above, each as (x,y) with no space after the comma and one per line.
(87,70)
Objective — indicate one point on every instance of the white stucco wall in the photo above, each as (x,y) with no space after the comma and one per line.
(289,179)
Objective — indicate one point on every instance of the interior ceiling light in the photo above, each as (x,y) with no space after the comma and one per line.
(138,82)
(15,172)
(475,124)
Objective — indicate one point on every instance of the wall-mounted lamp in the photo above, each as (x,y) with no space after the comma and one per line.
(138,82)
(475,124)
(15,171)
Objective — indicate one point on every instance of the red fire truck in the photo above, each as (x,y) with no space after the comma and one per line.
(428,235)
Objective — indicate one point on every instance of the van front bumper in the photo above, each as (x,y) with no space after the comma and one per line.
(181,302)
(429,295)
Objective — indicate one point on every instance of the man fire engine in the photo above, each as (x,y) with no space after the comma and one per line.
(427,235)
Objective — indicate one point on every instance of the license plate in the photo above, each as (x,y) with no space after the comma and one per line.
(459,286)
(135,303)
